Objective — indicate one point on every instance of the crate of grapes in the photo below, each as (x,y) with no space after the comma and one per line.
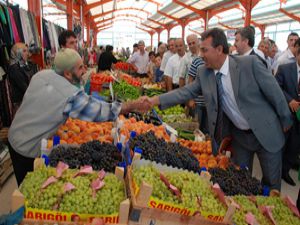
(71,195)
(174,196)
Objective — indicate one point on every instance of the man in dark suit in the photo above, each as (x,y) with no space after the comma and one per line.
(244,42)
(243,100)
(288,76)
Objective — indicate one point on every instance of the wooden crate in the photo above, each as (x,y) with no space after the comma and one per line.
(4,134)
(51,222)
(6,169)
(140,213)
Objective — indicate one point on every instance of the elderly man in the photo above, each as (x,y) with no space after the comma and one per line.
(52,97)
(140,60)
(171,51)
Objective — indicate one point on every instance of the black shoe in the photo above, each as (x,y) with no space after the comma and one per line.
(286,177)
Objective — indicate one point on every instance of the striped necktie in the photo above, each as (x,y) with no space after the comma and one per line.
(219,123)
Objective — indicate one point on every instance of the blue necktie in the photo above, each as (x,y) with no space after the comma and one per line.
(220,94)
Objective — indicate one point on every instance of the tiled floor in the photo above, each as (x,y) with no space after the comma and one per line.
(11,185)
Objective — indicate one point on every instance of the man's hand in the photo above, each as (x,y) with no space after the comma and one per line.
(191,104)
(294,105)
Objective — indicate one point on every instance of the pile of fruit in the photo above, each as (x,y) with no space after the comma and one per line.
(100,78)
(153,92)
(265,210)
(151,86)
(166,153)
(76,131)
(130,80)
(175,110)
(73,191)
(235,181)
(94,153)
(189,189)
(125,67)
(148,117)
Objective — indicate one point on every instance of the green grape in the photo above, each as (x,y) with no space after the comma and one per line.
(190,185)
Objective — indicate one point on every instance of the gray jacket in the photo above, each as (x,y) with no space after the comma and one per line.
(258,96)
(40,113)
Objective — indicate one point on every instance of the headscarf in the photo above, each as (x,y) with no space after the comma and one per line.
(16,54)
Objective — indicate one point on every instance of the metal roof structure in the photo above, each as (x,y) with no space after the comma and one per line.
(154,16)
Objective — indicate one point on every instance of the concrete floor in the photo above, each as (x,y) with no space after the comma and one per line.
(11,185)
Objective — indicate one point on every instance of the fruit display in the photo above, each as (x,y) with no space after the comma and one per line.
(197,147)
(171,154)
(125,67)
(153,92)
(175,110)
(76,131)
(247,206)
(187,189)
(281,213)
(177,118)
(152,86)
(100,78)
(235,181)
(148,117)
(73,191)
(130,80)
(94,153)
(123,91)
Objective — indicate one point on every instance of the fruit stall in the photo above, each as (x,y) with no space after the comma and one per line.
(137,170)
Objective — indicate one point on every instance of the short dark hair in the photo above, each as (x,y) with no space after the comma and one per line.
(297,43)
(135,45)
(151,53)
(109,48)
(62,39)
(218,38)
(247,33)
(157,55)
(293,34)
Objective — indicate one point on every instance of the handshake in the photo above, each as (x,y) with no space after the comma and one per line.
(142,105)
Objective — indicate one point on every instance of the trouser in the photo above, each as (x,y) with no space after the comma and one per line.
(202,118)
(244,145)
(21,164)
(292,147)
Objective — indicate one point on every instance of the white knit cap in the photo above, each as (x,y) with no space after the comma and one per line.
(65,59)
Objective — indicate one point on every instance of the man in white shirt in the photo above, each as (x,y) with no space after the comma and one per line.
(185,64)
(288,56)
(140,60)
(244,42)
(171,51)
(171,71)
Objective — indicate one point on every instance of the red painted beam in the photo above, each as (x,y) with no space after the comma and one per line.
(169,16)
(291,15)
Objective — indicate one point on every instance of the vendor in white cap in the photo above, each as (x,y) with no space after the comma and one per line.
(52,97)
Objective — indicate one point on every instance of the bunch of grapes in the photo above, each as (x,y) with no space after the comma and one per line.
(99,155)
(246,205)
(79,200)
(172,154)
(235,181)
(191,186)
(281,213)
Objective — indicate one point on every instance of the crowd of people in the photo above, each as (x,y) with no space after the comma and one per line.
(239,92)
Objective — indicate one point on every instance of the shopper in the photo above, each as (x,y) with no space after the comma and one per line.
(107,59)
(20,73)
(158,73)
(151,66)
(171,51)
(244,43)
(288,56)
(185,64)
(52,97)
(140,60)
(161,49)
(171,72)
(288,77)
(244,100)
(68,39)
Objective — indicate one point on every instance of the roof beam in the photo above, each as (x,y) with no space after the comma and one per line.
(120,15)
(151,32)
(169,16)
(116,10)
(88,7)
(226,26)
(103,25)
(103,21)
(291,15)
(194,31)
(195,10)
(105,28)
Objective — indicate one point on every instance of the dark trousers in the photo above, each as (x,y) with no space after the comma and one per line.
(202,118)
(244,145)
(292,147)
(21,164)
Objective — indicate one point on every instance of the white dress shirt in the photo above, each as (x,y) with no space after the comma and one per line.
(286,57)
(230,106)
(172,68)
(140,61)
(167,55)
(298,70)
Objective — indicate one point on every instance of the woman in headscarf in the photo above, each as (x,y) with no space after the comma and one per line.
(19,73)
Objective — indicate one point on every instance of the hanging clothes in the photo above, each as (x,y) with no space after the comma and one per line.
(27,31)
(14,26)
(16,13)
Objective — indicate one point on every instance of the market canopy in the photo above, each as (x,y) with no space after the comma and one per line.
(154,16)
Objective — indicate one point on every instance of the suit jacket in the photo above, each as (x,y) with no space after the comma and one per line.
(287,78)
(258,96)
(259,57)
